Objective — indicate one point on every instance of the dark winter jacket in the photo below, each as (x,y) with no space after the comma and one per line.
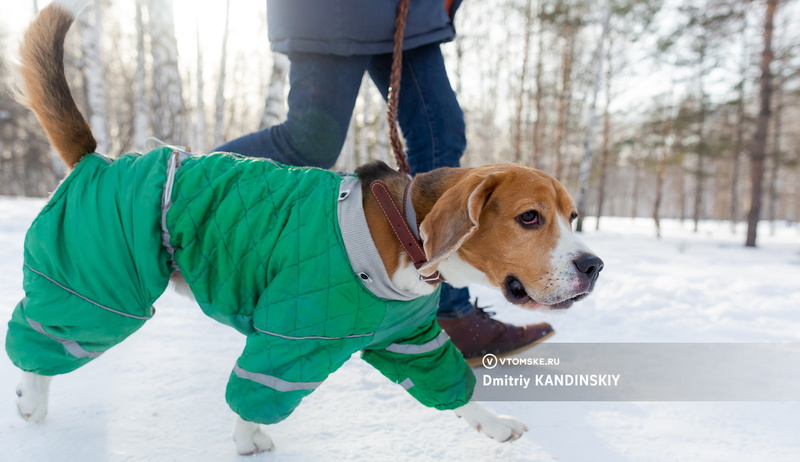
(355,27)
(282,254)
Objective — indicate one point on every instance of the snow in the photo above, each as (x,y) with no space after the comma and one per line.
(159,396)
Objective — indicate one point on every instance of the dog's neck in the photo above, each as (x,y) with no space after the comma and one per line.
(426,189)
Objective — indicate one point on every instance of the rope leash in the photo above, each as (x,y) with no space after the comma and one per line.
(410,243)
(393,98)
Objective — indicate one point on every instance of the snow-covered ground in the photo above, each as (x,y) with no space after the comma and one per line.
(159,396)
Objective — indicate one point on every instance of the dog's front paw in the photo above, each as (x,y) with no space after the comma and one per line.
(499,427)
(249,438)
(502,428)
(32,396)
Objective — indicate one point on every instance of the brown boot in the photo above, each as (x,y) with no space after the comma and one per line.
(478,334)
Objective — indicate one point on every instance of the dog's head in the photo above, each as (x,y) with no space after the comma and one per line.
(512,224)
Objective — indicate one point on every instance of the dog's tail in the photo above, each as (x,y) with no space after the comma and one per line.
(43,85)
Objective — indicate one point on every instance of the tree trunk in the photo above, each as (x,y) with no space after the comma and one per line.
(635,193)
(219,114)
(347,156)
(274,108)
(168,107)
(522,78)
(796,188)
(740,124)
(606,150)
(700,175)
(538,123)
(140,117)
(382,151)
(772,208)
(586,161)
(567,60)
(90,24)
(199,143)
(699,188)
(458,41)
(758,149)
(362,156)
(682,192)
(737,159)
(661,173)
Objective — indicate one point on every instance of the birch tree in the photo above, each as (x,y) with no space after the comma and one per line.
(364,137)
(570,27)
(198,145)
(275,106)
(219,115)
(538,124)
(347,156)
(141,121)
(168,109)
(90,25)
(529,14)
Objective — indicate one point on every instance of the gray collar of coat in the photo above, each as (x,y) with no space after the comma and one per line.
(364,257)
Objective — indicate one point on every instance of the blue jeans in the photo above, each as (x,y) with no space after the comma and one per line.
(322,94)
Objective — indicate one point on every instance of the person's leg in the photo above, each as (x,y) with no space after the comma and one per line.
(428,111)
(433,125)
(322,93)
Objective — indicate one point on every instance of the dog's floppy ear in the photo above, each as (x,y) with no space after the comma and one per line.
(454,218)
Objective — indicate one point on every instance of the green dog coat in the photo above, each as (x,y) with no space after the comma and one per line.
(282,254)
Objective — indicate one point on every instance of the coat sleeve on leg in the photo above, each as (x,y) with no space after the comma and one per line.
(428,366)
(274,374)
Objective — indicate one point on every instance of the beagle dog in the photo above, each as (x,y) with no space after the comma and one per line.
(504,226)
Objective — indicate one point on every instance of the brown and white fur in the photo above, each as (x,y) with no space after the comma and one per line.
(505,226)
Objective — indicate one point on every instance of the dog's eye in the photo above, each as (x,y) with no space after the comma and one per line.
(573,216)
(529,219)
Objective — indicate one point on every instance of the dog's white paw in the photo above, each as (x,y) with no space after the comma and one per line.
(499,427)
(249,438)
(32,396)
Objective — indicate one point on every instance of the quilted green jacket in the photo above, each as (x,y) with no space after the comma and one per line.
(280,253)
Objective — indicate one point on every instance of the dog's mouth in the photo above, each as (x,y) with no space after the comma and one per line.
(515,292)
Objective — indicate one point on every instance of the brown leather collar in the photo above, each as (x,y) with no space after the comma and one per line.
(402,230)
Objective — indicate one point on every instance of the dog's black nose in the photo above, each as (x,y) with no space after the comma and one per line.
(589,264)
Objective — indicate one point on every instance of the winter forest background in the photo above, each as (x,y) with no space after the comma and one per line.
(685,109)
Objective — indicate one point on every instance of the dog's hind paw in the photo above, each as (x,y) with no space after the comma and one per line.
(32,397)
(250,439)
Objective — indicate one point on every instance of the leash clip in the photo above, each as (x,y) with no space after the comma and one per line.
(434,278)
